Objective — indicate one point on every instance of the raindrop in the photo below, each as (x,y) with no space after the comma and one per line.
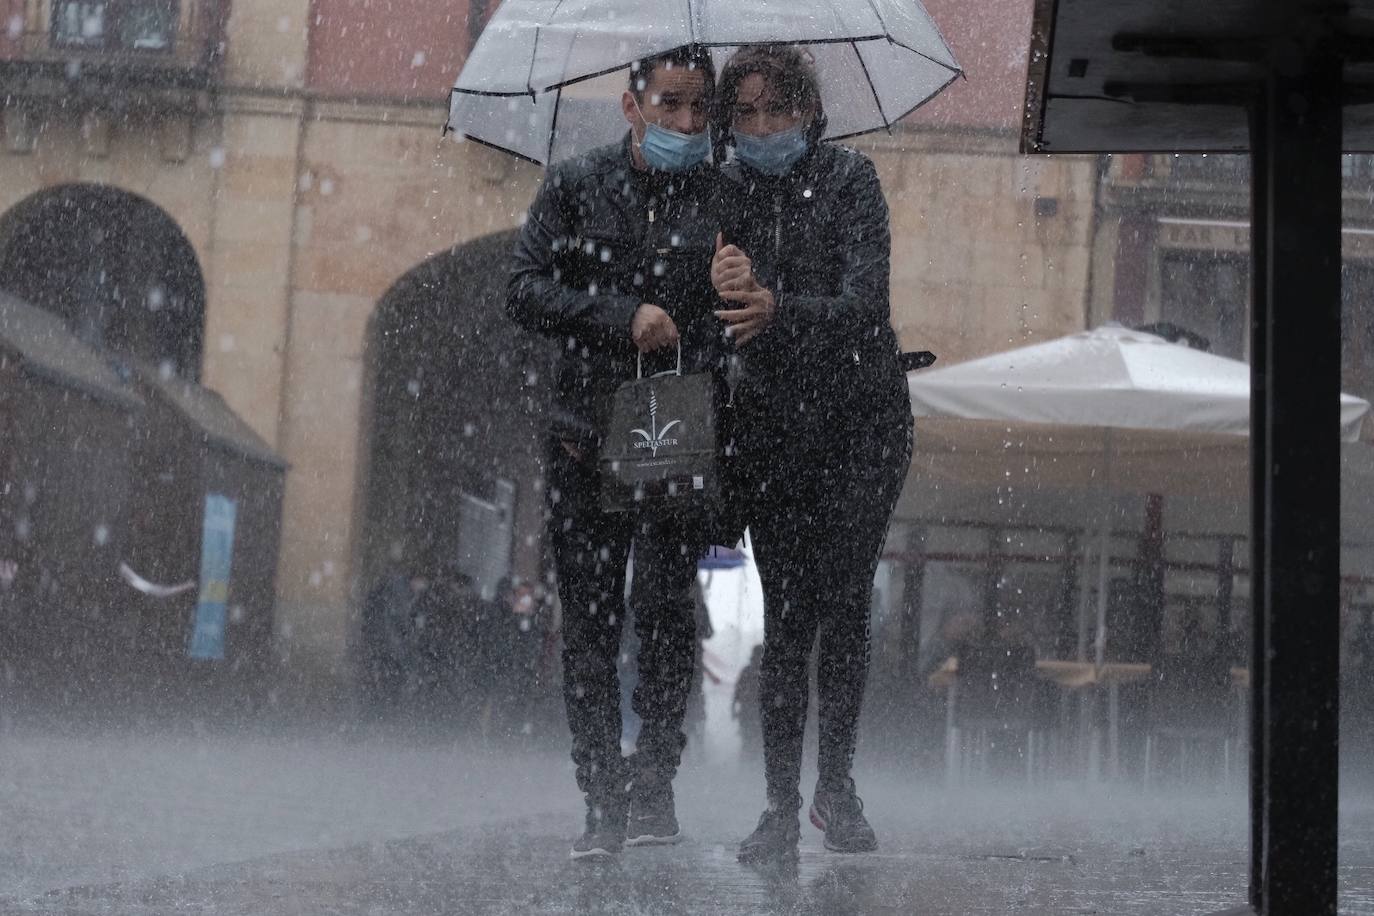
(102,535)
(217,157)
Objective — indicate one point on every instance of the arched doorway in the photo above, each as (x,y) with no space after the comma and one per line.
(114,266)
(457,400)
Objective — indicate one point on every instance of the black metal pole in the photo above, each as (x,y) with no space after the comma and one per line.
(1259,460)
(1297,474)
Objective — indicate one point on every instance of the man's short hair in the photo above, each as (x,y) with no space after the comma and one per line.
(690,57)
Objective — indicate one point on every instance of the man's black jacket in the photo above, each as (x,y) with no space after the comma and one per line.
(600,239)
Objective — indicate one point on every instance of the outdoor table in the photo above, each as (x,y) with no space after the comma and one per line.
(1077,675)
(1065,673)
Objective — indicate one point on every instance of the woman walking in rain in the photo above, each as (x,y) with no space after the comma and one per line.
(824,425)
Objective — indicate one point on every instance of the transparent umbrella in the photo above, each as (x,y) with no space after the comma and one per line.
(544,80)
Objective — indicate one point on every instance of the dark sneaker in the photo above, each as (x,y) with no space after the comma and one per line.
(839,812)
(653,817)
(774,838)
(605,833)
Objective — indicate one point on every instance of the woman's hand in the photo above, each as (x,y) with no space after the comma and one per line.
(756,312)
(732,274)
(731,269)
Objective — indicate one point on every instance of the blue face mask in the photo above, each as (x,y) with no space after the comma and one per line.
(669,151)
(774,154)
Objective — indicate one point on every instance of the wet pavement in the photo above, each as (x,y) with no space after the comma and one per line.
(380,825)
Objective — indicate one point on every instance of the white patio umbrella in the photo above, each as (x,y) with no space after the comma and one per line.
(522,90)
(1111,409)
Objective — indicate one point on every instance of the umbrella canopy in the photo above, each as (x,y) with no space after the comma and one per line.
(878,61)
(1064,412)
(1111,377)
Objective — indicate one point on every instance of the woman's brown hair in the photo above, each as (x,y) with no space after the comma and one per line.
(790,70)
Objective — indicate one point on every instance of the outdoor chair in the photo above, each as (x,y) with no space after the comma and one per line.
(1000,715)
(1192,725)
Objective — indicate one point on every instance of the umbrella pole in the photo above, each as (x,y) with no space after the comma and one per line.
(1104,550)
(1085,573)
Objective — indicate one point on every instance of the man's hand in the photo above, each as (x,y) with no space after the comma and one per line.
(731,269)
(652,329)
(756,312)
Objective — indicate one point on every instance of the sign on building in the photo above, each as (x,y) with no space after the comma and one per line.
(216,562)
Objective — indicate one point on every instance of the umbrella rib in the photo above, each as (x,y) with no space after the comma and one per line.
(958,71)
(534,55)
(877,99)
(910,111)
(879,16)
(553,125)
(534,48)
(502,149)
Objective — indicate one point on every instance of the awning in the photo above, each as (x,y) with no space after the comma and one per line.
(1150,76)
(46,348)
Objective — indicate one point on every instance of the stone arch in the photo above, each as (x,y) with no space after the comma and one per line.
(115,266)
(454,409)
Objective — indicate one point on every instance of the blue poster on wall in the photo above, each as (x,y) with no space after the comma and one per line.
(216,561)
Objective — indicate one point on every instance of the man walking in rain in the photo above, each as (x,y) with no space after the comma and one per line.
(613,264)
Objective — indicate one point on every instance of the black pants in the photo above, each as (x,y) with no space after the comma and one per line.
(818,526)
(591,549)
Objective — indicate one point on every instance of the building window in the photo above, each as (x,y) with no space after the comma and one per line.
(1208,294)
(115,25)
(79,24)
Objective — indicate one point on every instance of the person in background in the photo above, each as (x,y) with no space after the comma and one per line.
(746,706)
(440,625)
(388,638)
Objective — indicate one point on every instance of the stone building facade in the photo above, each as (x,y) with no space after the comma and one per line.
(295,148)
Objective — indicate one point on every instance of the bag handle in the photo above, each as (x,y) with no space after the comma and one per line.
(639,365)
